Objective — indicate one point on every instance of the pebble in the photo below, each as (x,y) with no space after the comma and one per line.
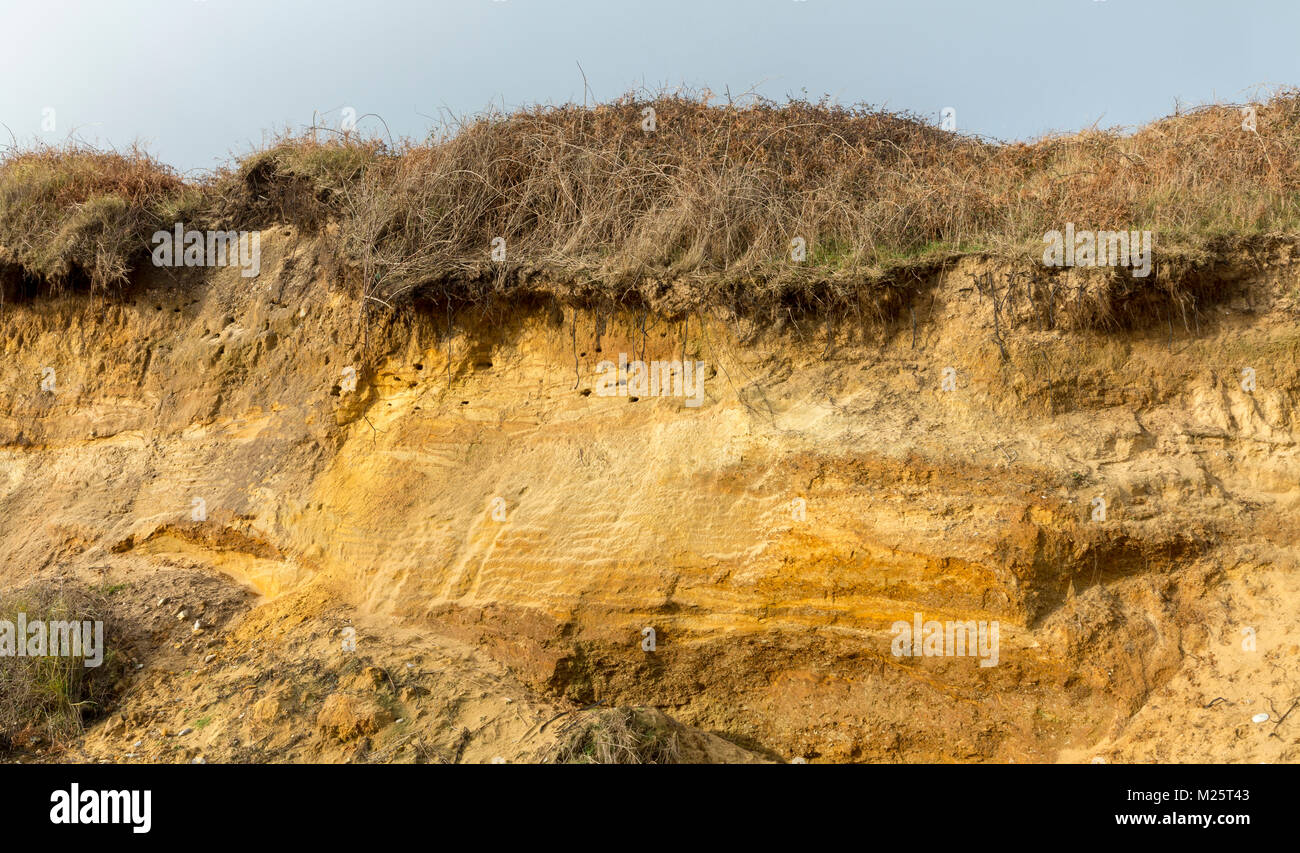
(209,658)
(184,732)
(1259,718)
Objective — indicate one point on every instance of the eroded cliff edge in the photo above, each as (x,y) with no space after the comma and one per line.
(830,484)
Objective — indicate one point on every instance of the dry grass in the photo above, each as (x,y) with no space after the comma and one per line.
(73,212)
(616,736)
(299,180)
(50,697)
(701,211)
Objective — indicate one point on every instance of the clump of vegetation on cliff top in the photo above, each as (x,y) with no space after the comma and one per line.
(303,180)
(76,212)
(702,209)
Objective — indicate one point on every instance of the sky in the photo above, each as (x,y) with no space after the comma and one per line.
(197,81)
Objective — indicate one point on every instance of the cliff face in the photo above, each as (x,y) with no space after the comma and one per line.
(840,475)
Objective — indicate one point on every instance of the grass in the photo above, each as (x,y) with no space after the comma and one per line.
(295,180)
(699,212)
(73,212)
(50,697)
(616,736)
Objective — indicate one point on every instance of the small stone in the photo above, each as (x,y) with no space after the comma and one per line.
(180,617)
(183,732)
(209,658)
(137,744)
(200,760)
(1259,718)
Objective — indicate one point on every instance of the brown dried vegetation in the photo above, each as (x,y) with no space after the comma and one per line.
(701,211)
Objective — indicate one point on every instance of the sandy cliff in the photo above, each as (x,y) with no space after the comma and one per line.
(473,503)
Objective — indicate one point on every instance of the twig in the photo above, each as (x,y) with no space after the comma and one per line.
(543,726)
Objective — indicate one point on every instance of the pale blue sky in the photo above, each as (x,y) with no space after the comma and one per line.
(196,79)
